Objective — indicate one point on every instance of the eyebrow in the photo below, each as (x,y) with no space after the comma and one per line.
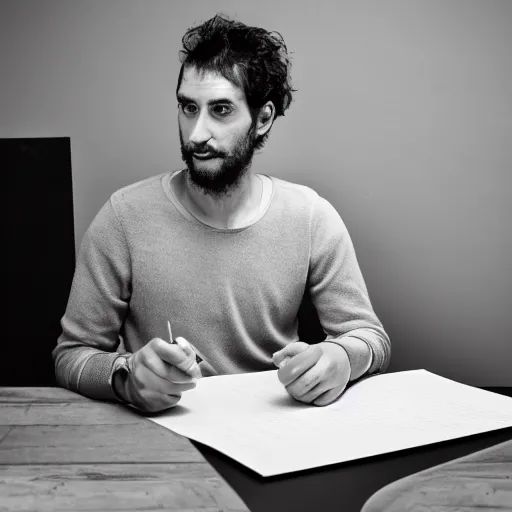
(185,99)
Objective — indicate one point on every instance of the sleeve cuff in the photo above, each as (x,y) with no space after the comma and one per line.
(360,363)
(379,346)
(96,376)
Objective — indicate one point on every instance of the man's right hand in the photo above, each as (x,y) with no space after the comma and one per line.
(159,373)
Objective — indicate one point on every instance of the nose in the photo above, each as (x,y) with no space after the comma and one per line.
(200,130)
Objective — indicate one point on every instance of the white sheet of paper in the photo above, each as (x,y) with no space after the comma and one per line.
(251,418)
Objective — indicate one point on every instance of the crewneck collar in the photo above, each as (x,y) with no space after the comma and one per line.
(266,200)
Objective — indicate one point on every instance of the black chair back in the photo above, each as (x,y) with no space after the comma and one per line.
(39,255)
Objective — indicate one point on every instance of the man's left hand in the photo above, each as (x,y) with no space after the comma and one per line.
(313,374)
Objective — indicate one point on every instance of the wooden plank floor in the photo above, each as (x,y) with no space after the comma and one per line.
(61,451)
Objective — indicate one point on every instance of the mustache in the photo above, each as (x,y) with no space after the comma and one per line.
(201,149)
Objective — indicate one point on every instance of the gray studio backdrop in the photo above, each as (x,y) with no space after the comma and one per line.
(403,120)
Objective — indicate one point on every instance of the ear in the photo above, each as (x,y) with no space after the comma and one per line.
(265,118)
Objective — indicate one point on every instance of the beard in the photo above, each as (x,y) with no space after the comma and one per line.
(233,166)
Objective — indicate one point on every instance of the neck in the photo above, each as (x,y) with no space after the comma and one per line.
(227,210)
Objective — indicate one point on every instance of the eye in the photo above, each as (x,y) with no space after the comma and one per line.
(222,110)
(188,109)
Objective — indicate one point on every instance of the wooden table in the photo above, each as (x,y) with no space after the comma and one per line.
(482,480)
(62,451)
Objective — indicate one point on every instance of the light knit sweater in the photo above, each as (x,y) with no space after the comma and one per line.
(233,294)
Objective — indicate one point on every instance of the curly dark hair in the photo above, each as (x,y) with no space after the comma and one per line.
(252,58)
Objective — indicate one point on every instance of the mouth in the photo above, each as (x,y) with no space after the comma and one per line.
(203,156)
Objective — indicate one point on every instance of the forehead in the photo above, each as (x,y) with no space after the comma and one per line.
(207,85)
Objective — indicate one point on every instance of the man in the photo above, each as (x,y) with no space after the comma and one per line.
(224,254)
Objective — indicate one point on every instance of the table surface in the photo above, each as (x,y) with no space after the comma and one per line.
(62,451)
(482,480)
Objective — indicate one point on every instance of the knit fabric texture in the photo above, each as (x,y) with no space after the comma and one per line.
(232,293)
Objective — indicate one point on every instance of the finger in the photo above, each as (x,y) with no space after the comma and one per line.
(187,348)
(193,367)
(165,370)
(292,349)
(175,355)
(151,401)
(177,376)
(299,364)
(330,379)
(307,381)
(148,400)
(314,392)
(283,362)
(144,378)
(330,396)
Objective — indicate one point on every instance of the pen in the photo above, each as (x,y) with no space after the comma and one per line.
(171,339)
(173,342)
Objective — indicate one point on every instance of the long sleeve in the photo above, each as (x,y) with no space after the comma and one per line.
(234,294)
(97,305)
(339,292)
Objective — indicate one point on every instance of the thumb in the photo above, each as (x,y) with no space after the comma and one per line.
(292,349)
(189,366)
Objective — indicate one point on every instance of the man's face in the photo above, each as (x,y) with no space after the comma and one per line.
(217,133)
